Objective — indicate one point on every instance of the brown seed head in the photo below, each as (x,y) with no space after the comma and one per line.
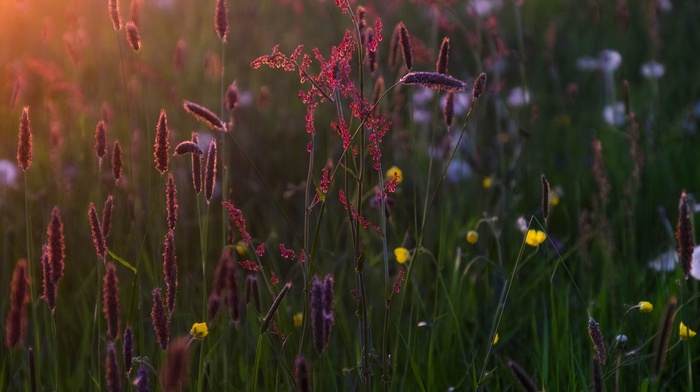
(275,305)
(128,348)
(196,166)
(597,339)
(443,56)
(113,8)
(170,270)
(97,238)
(19,295)
(526,383)
(301,374)
(171,202)
(117,161)
(49,294)
(110,301)
(162,144)
(405,42)
(160,320)
(101,140)
(479,86)
(114,377)
(205,115)
(221,19)
(545,197)
(232,96)
(133,36)
(24,147)
(434,81)
(684,235)
(450,108)
(107,211)
(210,172)
(56,246)
(188,147)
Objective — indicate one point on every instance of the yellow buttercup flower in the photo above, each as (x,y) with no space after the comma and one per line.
(240,248)
(535,237)
(298,319)
(395,172)
(645,306)
(495,339)
(685,332)
(402,255)
(487,182)
(472,237)
(199,330)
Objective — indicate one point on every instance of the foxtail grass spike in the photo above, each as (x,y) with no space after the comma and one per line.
(322,318)
(450,108)
(107,212)
(395,46)
(114,16)
(50,291)
(434,80)
(545,198)
(24,147)
(160,320)
(173,373)
(97,238)
(133,36)
(171,206)
(19,296)
(221,19)
(196,166)
(56,246)
(684,235)
(597,339)
(170,270)
(101,140)
(117,161)
(110,301)
(273,309)
(302,378)
(524,380)
(210,172)
(443,57)
(114,377)
(162,144)
(232,96)
(479,86)
(128,348)
(406,49)
(663,337)
(204,115)
(188,147)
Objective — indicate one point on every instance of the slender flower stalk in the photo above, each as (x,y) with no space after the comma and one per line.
(24,147)
(162,145)
(16,317)
(273,309)
(110,301)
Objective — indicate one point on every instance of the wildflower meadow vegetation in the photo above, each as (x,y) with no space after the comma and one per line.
(317,195)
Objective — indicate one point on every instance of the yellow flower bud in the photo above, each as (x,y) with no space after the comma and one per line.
(645,306)
(685,332)
(495,339)
(472,237)
(487,182)
(402,255)
(199,330)
(298,319)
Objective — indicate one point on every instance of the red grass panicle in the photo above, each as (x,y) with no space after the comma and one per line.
(162,144)
(160,320)
(221,19)
(171,202)
(405,43)
(684,235)
(434,80)
(479,86)
(232,96)
(19,296)
(101,140)
(56,246)
(204,115)
(443,56)
(173,373)
(128,348)
(232,298)
(24,147)
(196,166)
(97,238)
(170,270)
(188,147)
(322,318)
(210,172)
(133,36)
(114,16)
(50,289)
(449,108)
(107,212)
(301,374)
(110,301)
(597,338)
(371,55)
(114,377)
(117,161)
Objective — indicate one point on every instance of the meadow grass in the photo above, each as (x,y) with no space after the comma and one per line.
(490,215)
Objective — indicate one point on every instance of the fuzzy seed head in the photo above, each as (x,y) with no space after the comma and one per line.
(405,42)
(597,338)
(684,235)
(204,115)
(19,296)
(443,56)
(110,301)
(162,144)
(160,320)
(221,19)
(434,80)
(133,36)
(479,86)
(117,161)
(97,238)
(210,172)
(24,147)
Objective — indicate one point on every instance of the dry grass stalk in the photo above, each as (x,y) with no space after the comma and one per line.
(114,383)
(663,337)
(19,296)
(684,235)
(205,115)
(275,305)
(97,238)
(597,339)
(24,147)
(133,36)
(160,320)
(171,206)
(443,56)
(110,301)
(162,144)
(210,172)
(434,80)
(524,380)
(173,373)
(117,161)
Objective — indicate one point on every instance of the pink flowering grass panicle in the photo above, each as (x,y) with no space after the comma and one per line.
(204,115)
(188,147)
(171,202)
(97,237)
(19,296)
(113,374)
(24,147)
(114,15)
(221,19)
(110,301)
(443,56)
(50,289)
(236,218)
(132,36)
(197,165)
(210,172)
(107,213)
(101,140)
(160,320)
(56,246)
(162,143)
(170,270)
(117,161)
